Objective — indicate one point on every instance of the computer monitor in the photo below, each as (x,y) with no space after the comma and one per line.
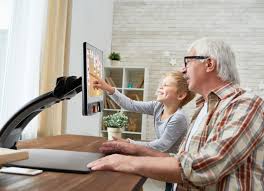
(92,99)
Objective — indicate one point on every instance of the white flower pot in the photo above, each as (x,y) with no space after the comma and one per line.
(115,62)
(114,132)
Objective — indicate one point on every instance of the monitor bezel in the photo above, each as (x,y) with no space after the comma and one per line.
(95,101)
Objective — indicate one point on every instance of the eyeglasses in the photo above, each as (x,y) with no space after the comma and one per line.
(187,59)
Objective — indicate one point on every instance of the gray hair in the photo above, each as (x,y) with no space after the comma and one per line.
(222,53)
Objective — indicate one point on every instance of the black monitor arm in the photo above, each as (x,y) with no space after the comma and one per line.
(66,88)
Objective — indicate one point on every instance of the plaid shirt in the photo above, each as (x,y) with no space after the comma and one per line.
(227,150)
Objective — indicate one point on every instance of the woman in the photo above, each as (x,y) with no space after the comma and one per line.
(170,123)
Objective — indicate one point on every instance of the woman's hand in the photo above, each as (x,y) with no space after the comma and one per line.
(122,147)
(120,139)
(114,162)
(99,83)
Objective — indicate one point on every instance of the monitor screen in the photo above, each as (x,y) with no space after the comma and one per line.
(92,63)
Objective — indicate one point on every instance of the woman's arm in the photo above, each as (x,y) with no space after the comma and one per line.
(132,105)
(99,83)
(111,147)
(122,100)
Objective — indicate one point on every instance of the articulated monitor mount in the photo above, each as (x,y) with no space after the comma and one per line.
(47,159)
(66,88)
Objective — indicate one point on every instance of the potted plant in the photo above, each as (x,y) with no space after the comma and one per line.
(115,58)
(115,123)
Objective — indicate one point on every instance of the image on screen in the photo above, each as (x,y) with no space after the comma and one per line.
(92,64)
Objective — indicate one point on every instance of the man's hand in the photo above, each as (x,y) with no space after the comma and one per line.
(159,168)
(122,147)
(99,83)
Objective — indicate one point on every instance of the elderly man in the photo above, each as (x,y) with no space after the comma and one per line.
(224,146)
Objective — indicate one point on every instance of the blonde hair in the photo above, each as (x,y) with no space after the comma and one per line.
(182,86)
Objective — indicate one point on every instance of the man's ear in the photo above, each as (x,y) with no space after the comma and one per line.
(181,96)
(210,65)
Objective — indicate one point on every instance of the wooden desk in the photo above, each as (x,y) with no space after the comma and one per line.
(99,180)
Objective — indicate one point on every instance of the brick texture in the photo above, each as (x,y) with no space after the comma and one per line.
(150,33)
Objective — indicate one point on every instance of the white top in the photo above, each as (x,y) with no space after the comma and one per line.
(169,132)
(202,114)
(200,118)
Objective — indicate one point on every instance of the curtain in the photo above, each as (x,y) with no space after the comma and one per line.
(20,73)
(55,62)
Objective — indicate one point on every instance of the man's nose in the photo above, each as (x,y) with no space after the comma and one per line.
(183,70)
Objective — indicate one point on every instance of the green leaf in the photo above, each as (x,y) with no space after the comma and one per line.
(116,120)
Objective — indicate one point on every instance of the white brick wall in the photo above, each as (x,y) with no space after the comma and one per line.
(144,30)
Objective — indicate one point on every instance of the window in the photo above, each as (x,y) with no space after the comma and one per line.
(5,17)
(20,56)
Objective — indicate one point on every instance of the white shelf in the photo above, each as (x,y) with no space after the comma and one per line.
(123,77)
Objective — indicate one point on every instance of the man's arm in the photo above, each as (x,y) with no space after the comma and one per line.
(159,168)
(230,144)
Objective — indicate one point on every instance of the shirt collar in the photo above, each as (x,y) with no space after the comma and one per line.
(220,93)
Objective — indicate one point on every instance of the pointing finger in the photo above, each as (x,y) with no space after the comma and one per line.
(96,77)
